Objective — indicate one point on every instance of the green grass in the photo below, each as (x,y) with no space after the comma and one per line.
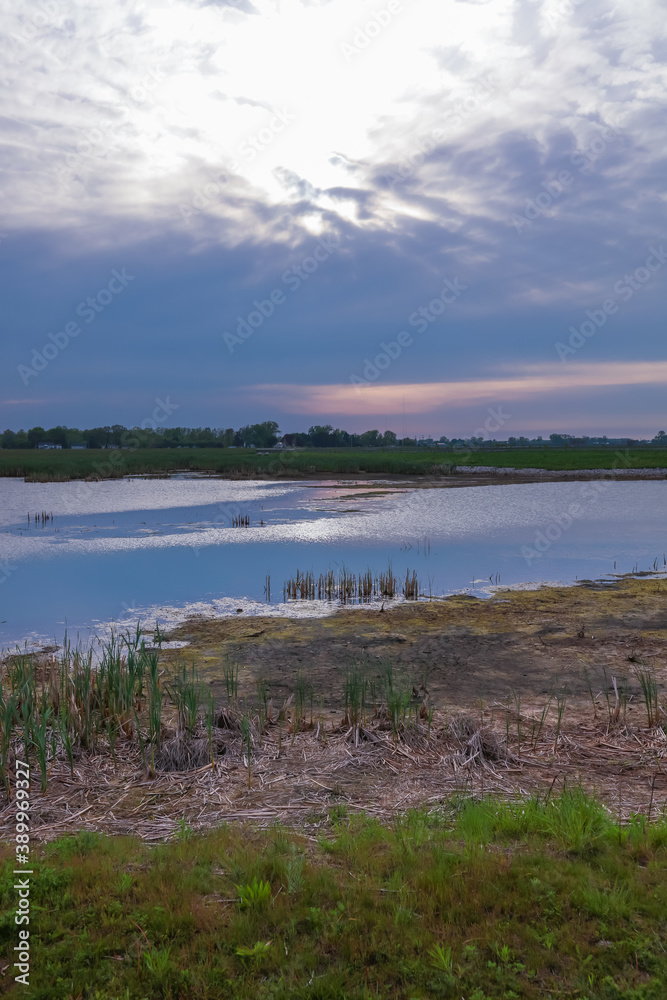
(563,459)
(484,900)
(64,465)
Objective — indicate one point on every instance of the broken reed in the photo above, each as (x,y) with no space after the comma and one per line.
(241,521)
(350,588)
(619,687)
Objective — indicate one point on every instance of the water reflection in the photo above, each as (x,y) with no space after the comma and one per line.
(160,548)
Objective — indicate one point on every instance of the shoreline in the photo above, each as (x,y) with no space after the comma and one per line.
(257,615)
(524,694)
(464,476)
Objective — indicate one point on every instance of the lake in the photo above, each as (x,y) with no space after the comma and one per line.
(158,549)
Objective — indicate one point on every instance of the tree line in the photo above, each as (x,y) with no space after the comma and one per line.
(267,435)
(261,435)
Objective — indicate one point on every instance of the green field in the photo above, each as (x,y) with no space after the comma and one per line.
(479,900)
(237,463)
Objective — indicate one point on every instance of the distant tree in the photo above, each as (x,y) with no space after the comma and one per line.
(297,439)
(14,439)
(97,437)
(35,436)
(371,439)
(263,435)
(321,436)
(388,439)
(660,438)
(57,435)
(116,434)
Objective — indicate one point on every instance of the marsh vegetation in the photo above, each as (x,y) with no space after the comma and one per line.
(246,463)
(346,587)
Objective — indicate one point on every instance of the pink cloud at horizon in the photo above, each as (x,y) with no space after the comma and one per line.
(413,398)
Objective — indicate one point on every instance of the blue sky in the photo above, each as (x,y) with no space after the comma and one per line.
(401,215)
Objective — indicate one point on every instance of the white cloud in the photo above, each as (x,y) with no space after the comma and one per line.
(124,110)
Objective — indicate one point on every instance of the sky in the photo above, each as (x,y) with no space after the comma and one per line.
(437,217)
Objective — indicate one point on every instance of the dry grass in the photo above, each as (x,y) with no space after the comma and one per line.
(299,777)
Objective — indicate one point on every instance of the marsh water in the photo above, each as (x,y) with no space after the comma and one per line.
(156,550)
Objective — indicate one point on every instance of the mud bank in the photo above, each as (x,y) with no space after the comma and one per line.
(531,642)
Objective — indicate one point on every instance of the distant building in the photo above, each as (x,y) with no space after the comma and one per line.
(78,447)
(43,445)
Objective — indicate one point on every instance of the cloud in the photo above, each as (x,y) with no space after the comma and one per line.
(207,149)
(425,397)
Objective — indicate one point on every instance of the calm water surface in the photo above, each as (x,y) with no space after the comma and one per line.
(157,549)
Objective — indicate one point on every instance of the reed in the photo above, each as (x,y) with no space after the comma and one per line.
(303,690)
(354,694)
(154,707)
(8,716)
(561,702)
(68,704)
(185,695)
(66,737)
(347,587)
(230,672)
(545,712)
(649,687)
(397,700)
(209,716)
(387,582)
(61,466)
(246,737)
(589,687)
(411,586)
(517,705)
(40,738)
(158,636)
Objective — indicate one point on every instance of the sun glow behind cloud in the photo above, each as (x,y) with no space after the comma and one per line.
(425,397)
(181,90)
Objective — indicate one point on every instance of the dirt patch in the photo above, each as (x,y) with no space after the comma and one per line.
(465,650)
